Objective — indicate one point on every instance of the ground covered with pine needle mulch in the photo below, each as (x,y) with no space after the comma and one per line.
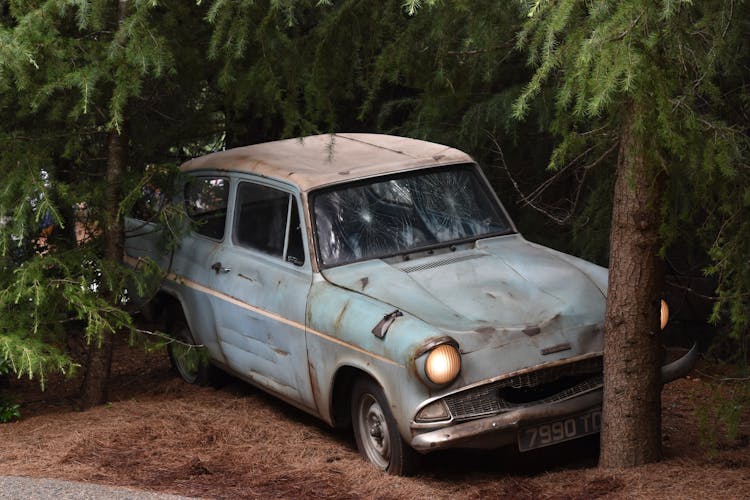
(162,435)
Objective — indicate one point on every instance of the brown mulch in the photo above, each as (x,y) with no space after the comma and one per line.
(162,435)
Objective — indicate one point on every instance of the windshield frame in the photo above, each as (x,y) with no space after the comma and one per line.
(482,183)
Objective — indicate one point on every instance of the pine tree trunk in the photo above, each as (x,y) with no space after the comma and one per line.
(631,421)
(99,360)
(94,390)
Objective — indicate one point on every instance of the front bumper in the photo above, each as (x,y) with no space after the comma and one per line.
(502,429)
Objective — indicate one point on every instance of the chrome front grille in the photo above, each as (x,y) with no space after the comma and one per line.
(545,385)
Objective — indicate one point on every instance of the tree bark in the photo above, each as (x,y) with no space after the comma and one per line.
(94,390)
(631,420)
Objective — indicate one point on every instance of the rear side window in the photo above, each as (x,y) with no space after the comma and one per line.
(206,205)
(268,221)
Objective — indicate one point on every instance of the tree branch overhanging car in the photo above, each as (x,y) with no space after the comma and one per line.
(377,281)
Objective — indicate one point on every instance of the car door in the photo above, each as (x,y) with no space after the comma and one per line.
(206,198)
(265,275)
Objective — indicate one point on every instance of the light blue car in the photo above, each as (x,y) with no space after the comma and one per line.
(377,281)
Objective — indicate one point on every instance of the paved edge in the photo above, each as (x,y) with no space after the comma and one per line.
(24,488)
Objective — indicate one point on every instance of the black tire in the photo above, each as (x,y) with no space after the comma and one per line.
(376,432)
(188,360)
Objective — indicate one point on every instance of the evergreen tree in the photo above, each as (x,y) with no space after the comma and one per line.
(654,94)
(648,75)
(449,76)
(82,82)
(661,86)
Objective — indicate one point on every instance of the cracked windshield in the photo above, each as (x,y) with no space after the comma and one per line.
(403,214)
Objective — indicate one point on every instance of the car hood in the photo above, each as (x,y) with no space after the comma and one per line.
(501,290)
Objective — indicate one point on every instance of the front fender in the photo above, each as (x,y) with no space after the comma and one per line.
(339,333)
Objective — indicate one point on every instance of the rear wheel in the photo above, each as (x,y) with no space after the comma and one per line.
(188,359)
(376,432)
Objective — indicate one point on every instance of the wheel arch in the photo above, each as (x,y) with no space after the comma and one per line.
(343,381)
(163,308)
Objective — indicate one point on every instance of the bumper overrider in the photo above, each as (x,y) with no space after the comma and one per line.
(503,428)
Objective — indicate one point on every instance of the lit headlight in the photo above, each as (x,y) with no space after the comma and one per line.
(664,314)
(443,364)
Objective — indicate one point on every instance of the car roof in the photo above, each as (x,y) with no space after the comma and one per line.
(320,160)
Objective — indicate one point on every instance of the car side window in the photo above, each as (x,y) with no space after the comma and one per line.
(206,205)
(150,204)
(268,221)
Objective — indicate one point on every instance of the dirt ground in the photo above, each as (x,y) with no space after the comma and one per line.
(162,435)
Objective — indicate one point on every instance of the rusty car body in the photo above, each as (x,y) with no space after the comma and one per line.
(377,281)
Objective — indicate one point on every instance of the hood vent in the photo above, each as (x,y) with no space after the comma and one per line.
(442,262)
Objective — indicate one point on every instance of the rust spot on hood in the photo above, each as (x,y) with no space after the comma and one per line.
(532,330)
(364,282)
(486,330)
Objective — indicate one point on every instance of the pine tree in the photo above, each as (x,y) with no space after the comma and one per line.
(661,87)
(647,75)
(82,82)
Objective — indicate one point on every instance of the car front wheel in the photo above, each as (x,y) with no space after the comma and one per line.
(375,430)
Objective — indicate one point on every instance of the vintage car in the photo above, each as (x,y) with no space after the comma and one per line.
(378,282)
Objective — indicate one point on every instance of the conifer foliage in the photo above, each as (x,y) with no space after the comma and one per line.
(656,79)
(656,93)
(73,75)
(647,101)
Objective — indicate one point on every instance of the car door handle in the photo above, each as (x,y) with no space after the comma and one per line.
(216,266)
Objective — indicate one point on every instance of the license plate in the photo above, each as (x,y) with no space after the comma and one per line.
(550,433)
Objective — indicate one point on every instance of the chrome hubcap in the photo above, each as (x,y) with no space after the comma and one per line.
(374,433)
(377,433)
